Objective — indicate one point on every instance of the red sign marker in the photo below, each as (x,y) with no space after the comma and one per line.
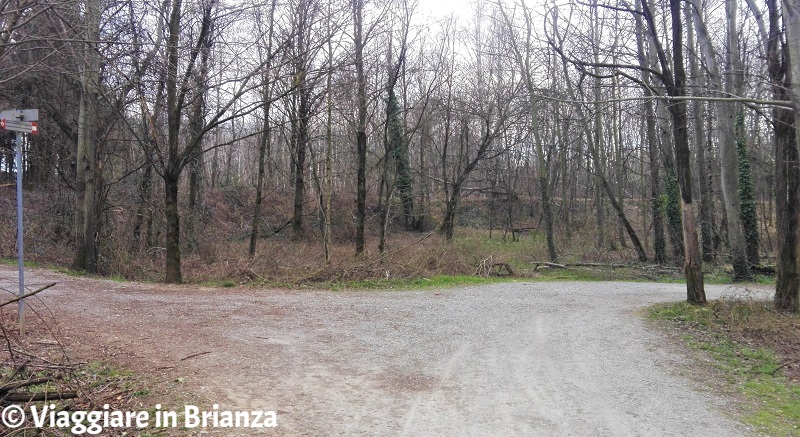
(34,127)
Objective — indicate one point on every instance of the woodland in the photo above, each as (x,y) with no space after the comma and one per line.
(186,139)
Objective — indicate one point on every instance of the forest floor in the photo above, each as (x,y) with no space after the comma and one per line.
(514,358)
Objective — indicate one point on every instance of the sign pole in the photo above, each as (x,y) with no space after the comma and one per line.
(20,121)
(20,257)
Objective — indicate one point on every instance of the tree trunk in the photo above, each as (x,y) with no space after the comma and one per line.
(327,228)
(523,57)
(706,231)
(173,243)
(787,190)
(729,163)
(448,224)
(659,245)
(255,229)
(656,208)
(393,136)
(619,176)
(172,171)
(300,167)
(729,173)
(746,197)
(706,199)
(196,123)
(676,88)
(695,290)
(361,127)
(85,256)
(672,204)
(145,190)
(747,207)
(303,115)
(420,221)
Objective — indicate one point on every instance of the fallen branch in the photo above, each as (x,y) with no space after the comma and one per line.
(485,267)
(32,293)
(195,355)
(20,384)
(613,266)
(548,264)
(286,223)
(38,397)
(655,267)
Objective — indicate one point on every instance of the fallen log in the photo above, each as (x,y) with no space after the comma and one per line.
(613,266)
(548,264)
(20,384)
(38,397)
(763,270)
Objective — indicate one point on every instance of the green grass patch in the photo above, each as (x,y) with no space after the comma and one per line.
(97,374)
(720,276)
(13,262)
(741,337)
(225,283)
(442,281)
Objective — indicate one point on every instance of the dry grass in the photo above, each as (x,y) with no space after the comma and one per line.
(754,322)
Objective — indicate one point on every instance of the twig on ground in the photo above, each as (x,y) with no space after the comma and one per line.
(195,355)
(788,363)
(38,397)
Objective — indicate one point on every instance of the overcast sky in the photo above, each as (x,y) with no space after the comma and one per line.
(441,8)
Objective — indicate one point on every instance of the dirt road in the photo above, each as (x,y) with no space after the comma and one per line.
(508,359)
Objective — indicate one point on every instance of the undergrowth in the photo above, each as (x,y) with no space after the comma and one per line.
(216,252)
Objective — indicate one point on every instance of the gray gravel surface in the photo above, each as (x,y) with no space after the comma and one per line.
(549,359)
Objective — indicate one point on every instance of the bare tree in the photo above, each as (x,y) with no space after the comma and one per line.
(265,47)
(522,49)
(482,115)
(594,135)
(170,154)
(659,246)
(729,162)
(783,72)
(361,124)
(673,78)
(85,187)
(699,140)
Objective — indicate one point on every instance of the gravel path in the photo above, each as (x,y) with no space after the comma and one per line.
(544,359)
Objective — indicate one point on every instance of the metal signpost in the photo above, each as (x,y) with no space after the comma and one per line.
(20,121)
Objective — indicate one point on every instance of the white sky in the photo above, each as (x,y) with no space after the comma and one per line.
(442,8)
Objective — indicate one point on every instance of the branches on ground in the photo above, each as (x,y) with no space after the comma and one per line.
(32,293)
